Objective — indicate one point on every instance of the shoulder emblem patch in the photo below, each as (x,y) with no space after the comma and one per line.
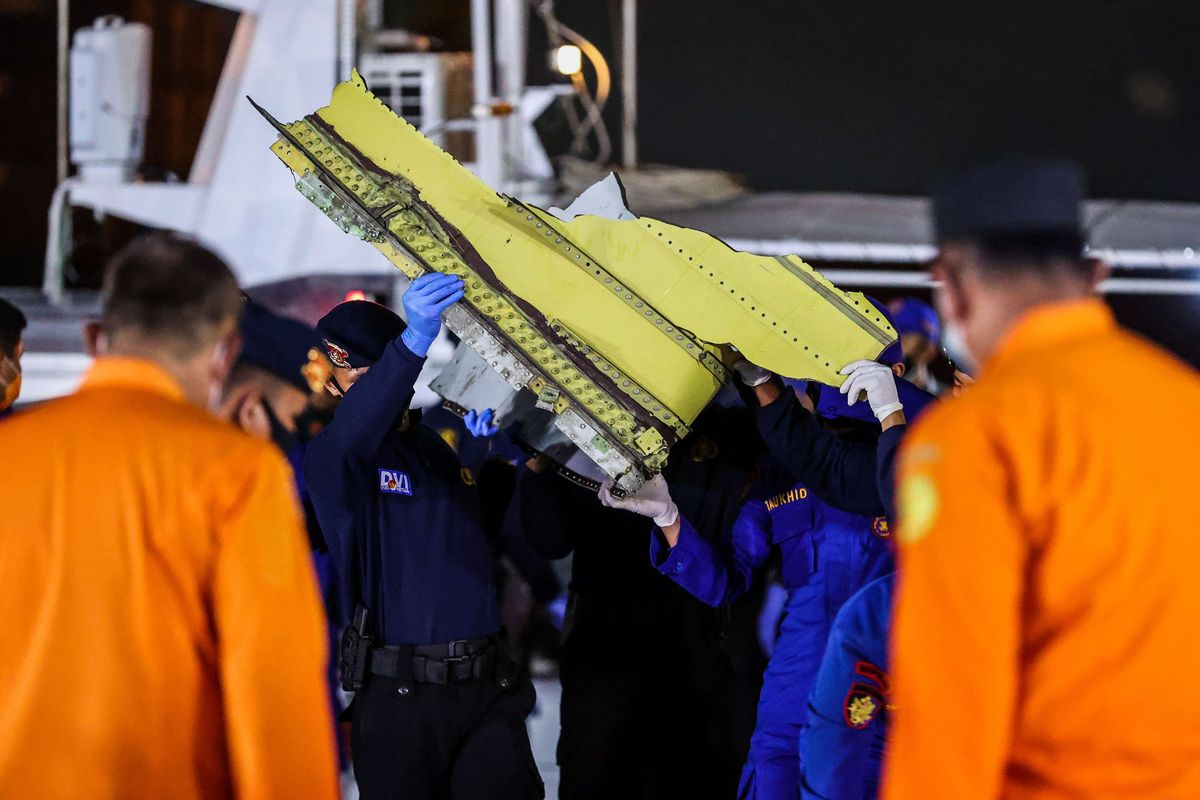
(862,705)
(917,505)
(337,355)
(392,481)
(879,527)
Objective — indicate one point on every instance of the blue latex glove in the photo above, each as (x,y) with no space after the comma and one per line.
(480,423)
(424,301)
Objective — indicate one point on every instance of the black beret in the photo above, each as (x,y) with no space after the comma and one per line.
(357,332)
(1011,197)
(282,346)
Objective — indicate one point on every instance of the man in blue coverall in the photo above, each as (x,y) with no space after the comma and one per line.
(440,709)
(842,741)
(828,552)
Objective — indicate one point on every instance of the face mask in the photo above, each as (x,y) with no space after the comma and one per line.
(284,439)
(10,382)
(311,421)
(956,347)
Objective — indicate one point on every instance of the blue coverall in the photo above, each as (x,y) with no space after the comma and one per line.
(828,554)
(841,744)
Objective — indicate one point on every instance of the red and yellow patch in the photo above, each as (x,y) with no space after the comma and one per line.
(879,527)
(337,355)
(863,704)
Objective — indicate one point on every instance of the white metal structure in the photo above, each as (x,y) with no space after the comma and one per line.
(288,55)
(237,198)
(110,99)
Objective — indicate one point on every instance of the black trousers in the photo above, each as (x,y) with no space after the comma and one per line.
(457,742)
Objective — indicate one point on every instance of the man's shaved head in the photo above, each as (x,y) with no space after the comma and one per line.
(169,289)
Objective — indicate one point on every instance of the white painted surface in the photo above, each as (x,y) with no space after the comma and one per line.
(48,375)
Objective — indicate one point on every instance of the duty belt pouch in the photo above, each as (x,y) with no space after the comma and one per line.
(405,680)
(355,649)
(505,670)
(504,666)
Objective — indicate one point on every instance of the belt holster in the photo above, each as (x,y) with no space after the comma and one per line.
(354,651)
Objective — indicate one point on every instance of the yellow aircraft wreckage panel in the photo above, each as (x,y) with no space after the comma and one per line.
(622,328)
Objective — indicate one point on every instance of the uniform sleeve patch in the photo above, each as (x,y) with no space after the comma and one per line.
(863,704)
(917,503)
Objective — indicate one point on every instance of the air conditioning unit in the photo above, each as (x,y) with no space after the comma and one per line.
(432,91)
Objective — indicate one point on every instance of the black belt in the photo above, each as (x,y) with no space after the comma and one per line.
(453,662)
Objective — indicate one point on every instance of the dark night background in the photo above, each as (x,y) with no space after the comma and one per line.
(884,97)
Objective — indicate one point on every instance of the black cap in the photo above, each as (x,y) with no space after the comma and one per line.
(1013,197)
(282,346)
(357,332)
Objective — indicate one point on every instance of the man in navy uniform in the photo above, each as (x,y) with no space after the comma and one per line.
(440,710)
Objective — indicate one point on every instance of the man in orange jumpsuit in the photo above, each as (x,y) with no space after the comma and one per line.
(162,631)
(1048,596)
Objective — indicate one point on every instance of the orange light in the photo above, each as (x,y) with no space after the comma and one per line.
(356,294)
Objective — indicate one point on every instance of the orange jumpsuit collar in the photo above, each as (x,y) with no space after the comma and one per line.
(1047,325)
(134,373)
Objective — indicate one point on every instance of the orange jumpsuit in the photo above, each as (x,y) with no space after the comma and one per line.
(162,634)
(1048,612)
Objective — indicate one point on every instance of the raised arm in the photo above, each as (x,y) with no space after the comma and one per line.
(843,473)
(372,407)
(369,410)
(716,574)
(839,471)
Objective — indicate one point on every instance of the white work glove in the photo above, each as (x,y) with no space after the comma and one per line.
(751,374)
(652,500)
(878,381)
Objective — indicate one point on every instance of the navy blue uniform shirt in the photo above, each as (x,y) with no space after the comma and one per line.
(401,515)
(854,475)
